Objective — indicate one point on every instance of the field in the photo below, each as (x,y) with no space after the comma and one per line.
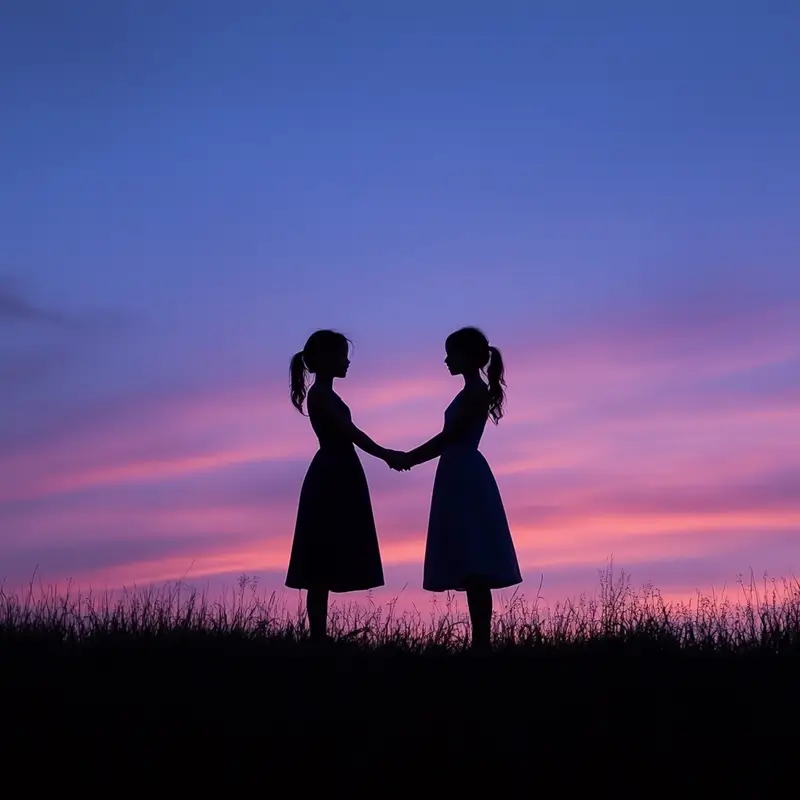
(167,682)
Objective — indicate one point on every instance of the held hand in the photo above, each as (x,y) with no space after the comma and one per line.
(398,460)
(408,461)
(405,462)
(394,459)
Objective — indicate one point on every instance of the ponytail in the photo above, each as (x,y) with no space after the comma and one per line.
(496,375)
(298,387)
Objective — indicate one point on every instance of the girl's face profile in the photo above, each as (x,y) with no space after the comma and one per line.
(340,362)
(455,360)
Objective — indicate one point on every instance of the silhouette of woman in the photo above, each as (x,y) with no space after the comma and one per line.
(335,547)
(469,546)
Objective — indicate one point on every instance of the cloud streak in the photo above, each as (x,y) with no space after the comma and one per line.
(18,306)
(664,450)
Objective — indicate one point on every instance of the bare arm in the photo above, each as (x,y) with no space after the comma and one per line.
(431,449)
(362,441)
(324,404)
(474,405)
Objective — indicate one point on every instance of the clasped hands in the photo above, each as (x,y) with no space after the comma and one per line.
(398,460)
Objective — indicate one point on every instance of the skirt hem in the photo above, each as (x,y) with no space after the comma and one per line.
(458,586)
(306,585)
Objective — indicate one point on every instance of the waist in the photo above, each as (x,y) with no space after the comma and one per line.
(462,447)
(336,447)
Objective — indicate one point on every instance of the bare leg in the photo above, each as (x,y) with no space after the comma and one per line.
(317,608)
(479,602)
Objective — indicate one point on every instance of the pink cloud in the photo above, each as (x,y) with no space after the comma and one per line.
(618,439)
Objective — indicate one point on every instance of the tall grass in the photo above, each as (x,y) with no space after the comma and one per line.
(764,617)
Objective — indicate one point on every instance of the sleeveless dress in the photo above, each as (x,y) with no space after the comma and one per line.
(468,533)
(335,544)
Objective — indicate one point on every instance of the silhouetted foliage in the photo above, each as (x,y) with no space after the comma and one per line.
(620,673)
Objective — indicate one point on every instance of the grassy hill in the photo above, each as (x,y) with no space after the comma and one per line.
(166,682)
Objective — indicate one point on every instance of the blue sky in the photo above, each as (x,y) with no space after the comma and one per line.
(189,189)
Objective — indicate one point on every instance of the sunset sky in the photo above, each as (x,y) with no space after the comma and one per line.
(189,189)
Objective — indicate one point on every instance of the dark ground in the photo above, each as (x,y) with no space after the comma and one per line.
(194,707)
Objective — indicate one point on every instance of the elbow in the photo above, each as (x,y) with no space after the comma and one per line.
(447,438)
(441,445)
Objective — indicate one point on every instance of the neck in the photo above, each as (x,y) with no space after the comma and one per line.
(323,381)
(472,377)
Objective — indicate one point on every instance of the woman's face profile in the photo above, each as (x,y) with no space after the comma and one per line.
(455,360)
(340,362)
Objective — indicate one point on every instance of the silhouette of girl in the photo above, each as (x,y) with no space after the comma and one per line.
(335,547)
(469,546)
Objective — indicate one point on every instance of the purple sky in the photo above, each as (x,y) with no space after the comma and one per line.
(188,189)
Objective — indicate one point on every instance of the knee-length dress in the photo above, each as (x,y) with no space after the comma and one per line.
(335,544)
(468,534)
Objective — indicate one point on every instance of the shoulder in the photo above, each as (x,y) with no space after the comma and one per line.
(313,393)
(475,396)
(317,398)
(324,400)
(471,401)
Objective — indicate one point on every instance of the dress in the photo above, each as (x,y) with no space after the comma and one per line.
(335,543)
(468,533)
